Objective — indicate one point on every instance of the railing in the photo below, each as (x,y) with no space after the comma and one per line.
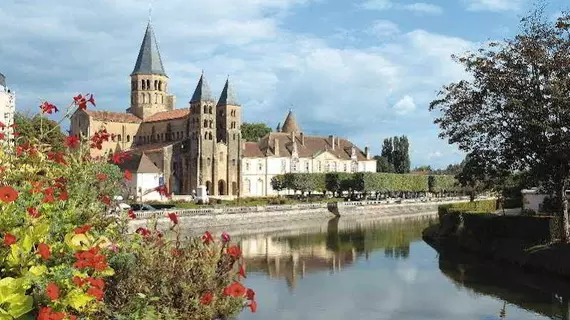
(283,207)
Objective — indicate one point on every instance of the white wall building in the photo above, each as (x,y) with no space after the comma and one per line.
(290,150)
(146,178)
(7,110)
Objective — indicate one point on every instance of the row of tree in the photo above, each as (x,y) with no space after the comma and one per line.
(395,156)
(368,182)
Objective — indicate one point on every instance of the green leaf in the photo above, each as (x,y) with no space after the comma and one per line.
(78,300)
(13,297)
(38,270)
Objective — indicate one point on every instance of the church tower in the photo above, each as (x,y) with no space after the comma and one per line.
(203,136)
(229,122)
(149,82)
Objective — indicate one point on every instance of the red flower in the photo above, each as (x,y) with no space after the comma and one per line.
(225,237)
(96,292)
(83,229)
(48,108)
(207,238)
(36,186)
(44,251)
(143,231)
(101,176)
(52,291)
(9,239)
(162,190)
(97,283)
(132,214)
(241,272)
(72,142)
(106,200)
(2,136)
(78,281)
(207,298)
(173,217)
(33,212)
(128,175)
(176,252)
(90,259)
(250,294)
(120,157)
(57,157)
(253,306)
(81,101)
(63,196)
(235,289)
(8,194)
(234,251)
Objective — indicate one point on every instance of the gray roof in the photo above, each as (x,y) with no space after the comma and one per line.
(202,92)
(2,80)
(149,61)
(228,96)
(139,163)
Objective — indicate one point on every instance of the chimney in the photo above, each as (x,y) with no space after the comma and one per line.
(332,141)
(276,147)
(302,135)
(367,153)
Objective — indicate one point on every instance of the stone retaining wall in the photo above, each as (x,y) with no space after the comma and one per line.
(281,214)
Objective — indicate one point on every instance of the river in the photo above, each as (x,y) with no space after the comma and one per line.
(378,269)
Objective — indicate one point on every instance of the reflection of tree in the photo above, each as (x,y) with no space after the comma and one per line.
(513,286)
(401,252)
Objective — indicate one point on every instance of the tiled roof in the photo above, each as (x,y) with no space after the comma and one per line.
(150,148)
(168,115)
(149,61)
(252,150)
(139,163)
(109,116)
(228,96)
(290,124)
(202,91)
(313,145)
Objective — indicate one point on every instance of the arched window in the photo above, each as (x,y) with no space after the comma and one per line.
(148,84)
(206,136)
(161,99)
(119,137)
(143,85)
(234,137)
(141,99)
(205,109)
(128,138)
(211,124)
(210,109)
(160,85)
(205,123)
(155,84)
(210,136)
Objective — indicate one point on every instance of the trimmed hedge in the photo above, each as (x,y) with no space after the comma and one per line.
(367,182)
(480,206)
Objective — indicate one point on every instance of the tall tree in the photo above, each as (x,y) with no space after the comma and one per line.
(387,149)
(254,131)
(382,164)
(30,126)
(514,113)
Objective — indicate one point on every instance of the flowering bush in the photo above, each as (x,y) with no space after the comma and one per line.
(62,257)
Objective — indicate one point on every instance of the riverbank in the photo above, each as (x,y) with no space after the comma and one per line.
(521,241)
(279,215)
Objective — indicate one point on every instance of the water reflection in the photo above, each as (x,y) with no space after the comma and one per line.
(377,269)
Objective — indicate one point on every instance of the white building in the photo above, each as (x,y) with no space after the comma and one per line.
(290,150)
(7,110)
(146,177)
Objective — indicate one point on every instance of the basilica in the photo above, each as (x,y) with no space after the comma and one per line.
(201,143)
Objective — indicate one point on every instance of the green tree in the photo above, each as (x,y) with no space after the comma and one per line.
(278,183)
(254,131)
(515,110)
(400,154)
(382,164)
(387,150)
(30,127)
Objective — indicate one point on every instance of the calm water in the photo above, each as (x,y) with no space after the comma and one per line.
(383,270)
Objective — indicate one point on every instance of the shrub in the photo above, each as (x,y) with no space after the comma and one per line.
(63,257)
(481,206)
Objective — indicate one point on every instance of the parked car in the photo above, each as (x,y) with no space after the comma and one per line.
(142,207)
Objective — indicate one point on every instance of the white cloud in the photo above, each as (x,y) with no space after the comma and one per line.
(424,8)
(418,7)
(494,5)
(405,105)
(383,28)
(435,154)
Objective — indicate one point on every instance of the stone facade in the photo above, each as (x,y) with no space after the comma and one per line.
(198,145)
(7,110)
(290,150)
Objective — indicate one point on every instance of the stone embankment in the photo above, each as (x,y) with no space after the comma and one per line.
(280,215)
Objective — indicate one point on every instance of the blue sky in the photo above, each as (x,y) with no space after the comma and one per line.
(363,69)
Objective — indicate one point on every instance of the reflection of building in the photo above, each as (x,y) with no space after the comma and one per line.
(290,150)
(7,110)
(279,260)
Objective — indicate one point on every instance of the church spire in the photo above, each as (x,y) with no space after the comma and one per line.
(290,124)
(228,96)
(149,61)
(202,91)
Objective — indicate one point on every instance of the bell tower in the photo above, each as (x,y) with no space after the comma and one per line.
(149,82)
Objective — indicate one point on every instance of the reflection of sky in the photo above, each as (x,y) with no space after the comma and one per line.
(380,288)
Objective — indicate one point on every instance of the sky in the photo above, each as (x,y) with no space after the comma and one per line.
(362,69)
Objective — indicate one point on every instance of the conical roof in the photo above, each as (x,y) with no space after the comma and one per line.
(149,61)
(228,96)
(290,124)
(202,92)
